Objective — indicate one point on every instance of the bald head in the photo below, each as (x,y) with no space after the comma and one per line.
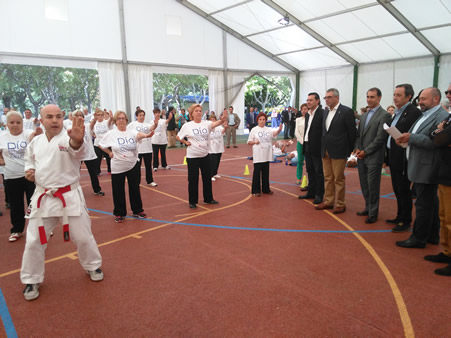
(429,98)
(52,119)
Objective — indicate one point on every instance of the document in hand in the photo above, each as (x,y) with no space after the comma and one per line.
(395,133)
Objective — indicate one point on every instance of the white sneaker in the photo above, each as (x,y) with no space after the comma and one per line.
(217,176)
(155,169)
(31,291)
(153,184)
(15,236)
(213,179)
(167,168)
(96,275)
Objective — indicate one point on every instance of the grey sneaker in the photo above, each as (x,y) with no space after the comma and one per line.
(96,275)
(31,291)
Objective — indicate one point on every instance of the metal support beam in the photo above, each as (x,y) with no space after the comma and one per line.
(236,34)
(436,71)
(230,7)
(298,90)
(410,27)
(124,59)
(310,31)
(224,62)
(355,87)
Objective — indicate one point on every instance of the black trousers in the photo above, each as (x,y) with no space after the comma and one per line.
(93,170)
(427,224)
(100,153)
(118,184)
(314,166)
(6,194)
(260,178)
(159,149)
(16,189)
(215,159)
(194,164)
(401,187)
(147,159)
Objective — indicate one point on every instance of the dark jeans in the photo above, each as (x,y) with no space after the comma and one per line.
(159,149)
(16,189)
(260,178)
(286,130)
(118,183)
(147,159)
(100,153)
(194,164)
(401,187)
(427,225)
(215,159)
(314,166)
(93,167)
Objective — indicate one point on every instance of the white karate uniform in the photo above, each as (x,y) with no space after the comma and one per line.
(56,165)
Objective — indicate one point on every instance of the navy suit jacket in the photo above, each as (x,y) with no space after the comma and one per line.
(315,132)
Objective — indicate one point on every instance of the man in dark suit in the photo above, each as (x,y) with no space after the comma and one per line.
(312,149)
(405,116)
(249,119)
(421,156)
(286,118)
(339,133)
(293,122)
(370,151)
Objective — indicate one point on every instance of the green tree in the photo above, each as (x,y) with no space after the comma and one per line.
(267,91)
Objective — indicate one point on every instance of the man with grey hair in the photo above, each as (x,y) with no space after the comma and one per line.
(339,134)
(421,157)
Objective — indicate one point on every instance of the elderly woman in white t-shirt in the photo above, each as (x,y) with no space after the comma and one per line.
(124,164)
(196,136)
(103,124)
(160,138)
(260,138)
(216,147)
(13,143)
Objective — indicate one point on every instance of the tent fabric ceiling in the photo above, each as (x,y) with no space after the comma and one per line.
(331,33)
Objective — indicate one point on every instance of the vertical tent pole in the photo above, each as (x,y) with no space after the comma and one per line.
(354,87)
(298,89)
(436,70)
(124,59)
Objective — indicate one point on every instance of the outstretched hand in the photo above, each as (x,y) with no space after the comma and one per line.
(77,132)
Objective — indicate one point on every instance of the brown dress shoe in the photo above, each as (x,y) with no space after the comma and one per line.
(339,210)
(323,206)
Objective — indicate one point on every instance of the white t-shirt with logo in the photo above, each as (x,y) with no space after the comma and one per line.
(217,140)
(145,146)
(13,149)
(28,124)
(124,148)
(67,124)
(199,136)
(100,129)
(261,152)
(160,136)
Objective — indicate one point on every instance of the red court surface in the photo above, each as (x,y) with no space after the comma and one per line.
(248,267)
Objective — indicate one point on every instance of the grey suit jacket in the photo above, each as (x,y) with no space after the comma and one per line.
(373,138)
(422,153)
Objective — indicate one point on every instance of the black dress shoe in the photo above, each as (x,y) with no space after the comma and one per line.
(401,227)
(317,200)
(306,197)
(212,202)
(446,271)
(192,206)
(362,213)
(392,221)
(440,258)
(411,243)
(371,220)
(430,241)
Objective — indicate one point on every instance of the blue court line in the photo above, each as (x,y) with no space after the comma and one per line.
(245,228)
(6,318)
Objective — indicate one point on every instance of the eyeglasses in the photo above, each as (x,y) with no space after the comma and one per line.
(448,92)
(328,97)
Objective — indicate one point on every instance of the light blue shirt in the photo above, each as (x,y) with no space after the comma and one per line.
(231,119)
(398,113)
(370,115)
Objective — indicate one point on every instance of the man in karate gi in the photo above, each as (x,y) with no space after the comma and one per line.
(52,161)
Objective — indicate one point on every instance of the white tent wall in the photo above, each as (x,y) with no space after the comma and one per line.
(216,91)
(112,88)
(141,89)
(61,27)
(444,78)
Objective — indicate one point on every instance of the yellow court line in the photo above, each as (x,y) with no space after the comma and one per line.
(402,308)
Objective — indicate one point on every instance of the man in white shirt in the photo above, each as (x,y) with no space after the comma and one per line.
(232,126)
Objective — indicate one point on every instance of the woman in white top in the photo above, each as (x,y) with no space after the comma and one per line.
(299,133)
(145,146)
(260,138)
(160,138)
(216,147)
(90,159)
(196,136)
(103,124)
(13,143)
(124,164)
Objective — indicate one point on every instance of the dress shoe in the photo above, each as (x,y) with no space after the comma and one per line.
(339,210)
(411,243)
(304,189)
(256,195)
(211,202)
(192,206)
(430,241)
(235,146)
(371,220)
(362,213)
(323,206)
(440,258)
(392,221)
(446,271)
(306,197)
(317,200)
(401,227)
(269,192)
